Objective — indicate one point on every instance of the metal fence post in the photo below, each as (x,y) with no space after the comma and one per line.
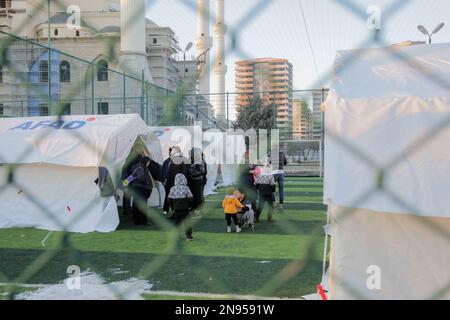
(228,110)
(147,106)
(92,90)
(142,95)
(124,94)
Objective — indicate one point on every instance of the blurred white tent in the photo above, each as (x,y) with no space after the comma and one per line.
(54,164)
(389,108)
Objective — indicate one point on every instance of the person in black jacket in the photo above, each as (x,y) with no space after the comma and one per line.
(178,164)
(164,178)
(181,200)
(126,172)
(265,184)
(197,173)
(279,161)
(141,187)
(247,185)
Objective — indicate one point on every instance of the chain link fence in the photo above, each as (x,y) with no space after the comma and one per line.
(41,79)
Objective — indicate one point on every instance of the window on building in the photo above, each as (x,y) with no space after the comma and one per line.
(77,33)
(3,4)
(1,74)
(186,70)
(2,109)
(43,110)
(43,71)
(56,32)
(66,109)
(102,71)
(103,108)
(64,71)
(155,41)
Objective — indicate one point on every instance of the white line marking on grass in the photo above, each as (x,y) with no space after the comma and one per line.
(215,295)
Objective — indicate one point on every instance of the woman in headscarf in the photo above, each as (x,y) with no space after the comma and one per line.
(141,186)
(181,200)
(178,164)
(197,173)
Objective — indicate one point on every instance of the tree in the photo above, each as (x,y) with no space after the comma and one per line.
(258,114)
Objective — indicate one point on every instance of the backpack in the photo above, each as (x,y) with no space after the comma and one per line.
(142,176)
(196,171)
(156,170)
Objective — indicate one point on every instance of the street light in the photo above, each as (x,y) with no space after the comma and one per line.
(436,30)
(188,47)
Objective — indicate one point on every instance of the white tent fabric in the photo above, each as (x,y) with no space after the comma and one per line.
(412,257)
(56,162)
(373,103)
(383,112)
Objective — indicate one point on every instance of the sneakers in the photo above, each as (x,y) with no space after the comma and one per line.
(228,229)
(238,230)
(189,238)
(252,227)
(165,213)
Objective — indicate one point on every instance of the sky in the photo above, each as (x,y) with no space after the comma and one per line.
(276,28)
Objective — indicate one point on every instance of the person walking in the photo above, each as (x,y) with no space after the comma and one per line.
(178,164)
(265,184)
(247,184)
(197,173)
(278,159)
(164,176)
(141,186)
(181,201)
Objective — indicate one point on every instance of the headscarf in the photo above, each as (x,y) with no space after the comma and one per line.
(180,190)
(267,168)
(144,160)
(196,156)
(177,156)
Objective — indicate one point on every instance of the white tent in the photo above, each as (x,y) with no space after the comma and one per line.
(389,108)
(55,163)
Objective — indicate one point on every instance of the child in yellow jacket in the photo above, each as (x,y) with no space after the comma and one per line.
(231,206)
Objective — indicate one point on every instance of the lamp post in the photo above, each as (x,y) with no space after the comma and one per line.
(425,31)
(188,47)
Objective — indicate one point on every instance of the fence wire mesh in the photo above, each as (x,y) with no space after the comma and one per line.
(41,78)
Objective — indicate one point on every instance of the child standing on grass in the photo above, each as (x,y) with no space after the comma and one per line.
(181,200)
(231,206)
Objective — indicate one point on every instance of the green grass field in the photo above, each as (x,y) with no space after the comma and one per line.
(280,259)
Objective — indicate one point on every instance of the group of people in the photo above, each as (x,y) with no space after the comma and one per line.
(184,180)
(256,189)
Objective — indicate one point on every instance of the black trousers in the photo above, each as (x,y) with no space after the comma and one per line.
(263,199)
(140,198)
(166,206)
(126,203)
(180,219)
(231,218)
(197,187)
